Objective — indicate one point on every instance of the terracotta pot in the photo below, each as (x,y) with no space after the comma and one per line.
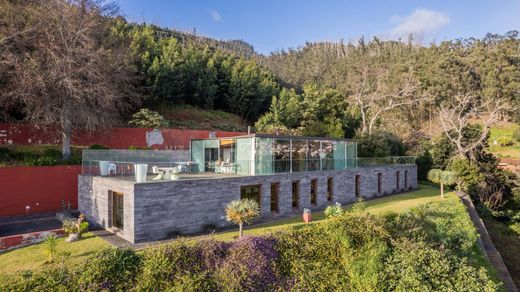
(307,217)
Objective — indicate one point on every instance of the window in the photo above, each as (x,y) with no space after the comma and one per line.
(251,192)
(379,182)
(330,189)
(314,186)
(275,188)
(406,179)
(117,209)
(358,185)
(295,194)
(397,180)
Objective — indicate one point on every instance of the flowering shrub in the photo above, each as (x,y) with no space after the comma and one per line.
(250,265)
(213,252)
(334,210)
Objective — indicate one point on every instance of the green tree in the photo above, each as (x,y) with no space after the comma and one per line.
(242,211)
(442,177)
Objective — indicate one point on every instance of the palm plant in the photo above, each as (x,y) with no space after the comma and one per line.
(442,177)
(242,211)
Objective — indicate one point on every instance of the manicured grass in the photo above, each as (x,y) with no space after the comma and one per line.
(395,203)
(504,130)
(33,257)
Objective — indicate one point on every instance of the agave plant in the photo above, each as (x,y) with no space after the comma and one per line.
(242,211)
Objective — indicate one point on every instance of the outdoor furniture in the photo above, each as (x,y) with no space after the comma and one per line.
(160,173)
(112,168)
(175,171)
(103,168)
(170,173)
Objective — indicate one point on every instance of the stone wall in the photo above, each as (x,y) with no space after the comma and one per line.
(155,210)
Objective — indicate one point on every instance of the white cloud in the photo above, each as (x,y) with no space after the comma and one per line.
(420,21)
(215,15)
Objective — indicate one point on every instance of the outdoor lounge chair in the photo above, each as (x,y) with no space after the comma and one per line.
(156,170)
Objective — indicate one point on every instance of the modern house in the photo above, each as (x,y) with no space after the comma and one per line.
(147,195)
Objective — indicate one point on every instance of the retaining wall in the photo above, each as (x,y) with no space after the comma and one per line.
(26,190)
(115,138)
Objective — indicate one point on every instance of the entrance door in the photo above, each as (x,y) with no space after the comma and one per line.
(117,210)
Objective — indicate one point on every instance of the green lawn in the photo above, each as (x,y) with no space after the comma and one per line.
(33,258)
(504,131)
(396,203)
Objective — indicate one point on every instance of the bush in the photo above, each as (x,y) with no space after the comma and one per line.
(69,227)
(379,144)
(516,134)
(174,267)
(213,252)
(249,266)
(416,266)
(55,279)
(424,163)
(334,210)
(505,141)
(50,247)
(146,118)
(98,147)
(111,269)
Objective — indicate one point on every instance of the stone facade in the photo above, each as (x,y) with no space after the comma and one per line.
(156,210)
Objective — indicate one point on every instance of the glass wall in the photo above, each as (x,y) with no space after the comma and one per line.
(299,155)
(267,155)
(282,155)
(244,155)
(264,156)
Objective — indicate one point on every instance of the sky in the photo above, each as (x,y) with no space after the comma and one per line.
(271,25)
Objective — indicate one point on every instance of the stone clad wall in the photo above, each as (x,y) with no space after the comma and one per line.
(158,209)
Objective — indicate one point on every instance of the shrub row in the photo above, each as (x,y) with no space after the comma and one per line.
(430,248)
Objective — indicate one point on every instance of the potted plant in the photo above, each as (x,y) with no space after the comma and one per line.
(307,215)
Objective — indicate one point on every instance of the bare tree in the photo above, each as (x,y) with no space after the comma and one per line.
(60,69)
(456,114)
(376,90)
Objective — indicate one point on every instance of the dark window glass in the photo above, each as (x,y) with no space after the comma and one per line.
(358,185)
(275,188)
(379,182)
(314,189)
(251,192)
(295,194)
(330,189)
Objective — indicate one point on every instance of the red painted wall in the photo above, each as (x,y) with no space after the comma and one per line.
(115,138)
(40,187)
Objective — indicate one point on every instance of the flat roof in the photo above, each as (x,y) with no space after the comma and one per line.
(274,136)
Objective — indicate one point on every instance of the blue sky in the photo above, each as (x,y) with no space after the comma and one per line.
(270,25)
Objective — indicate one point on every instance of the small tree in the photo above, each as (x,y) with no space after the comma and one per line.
(242,211)
(148,119)
(442,177)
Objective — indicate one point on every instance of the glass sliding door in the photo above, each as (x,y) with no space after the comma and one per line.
(243,156)
(197,155)
(117,210)
(263,156)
